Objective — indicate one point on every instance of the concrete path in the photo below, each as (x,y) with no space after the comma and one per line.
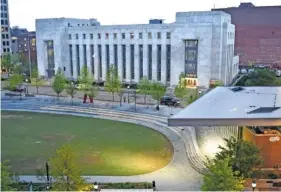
(178,175)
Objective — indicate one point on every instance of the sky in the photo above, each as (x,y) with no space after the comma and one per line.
(111,12)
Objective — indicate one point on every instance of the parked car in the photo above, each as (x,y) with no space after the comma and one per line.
(278,73)
(170,101)
(20,88)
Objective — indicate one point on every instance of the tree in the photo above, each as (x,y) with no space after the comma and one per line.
(35,78)
(144,87)
(93,92)
(71,90)
(65,170)
(220,177)
(7,62)
(243,155)
(59,82)
(261,77)
(6,178)
(157,92)
(181,91)
(113,83)
(85,79)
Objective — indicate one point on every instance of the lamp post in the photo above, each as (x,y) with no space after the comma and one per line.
(254,185)
(128,88)
(26,81)
(47,174)
(96,186)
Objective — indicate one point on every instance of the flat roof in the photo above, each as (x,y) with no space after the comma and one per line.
(233,106)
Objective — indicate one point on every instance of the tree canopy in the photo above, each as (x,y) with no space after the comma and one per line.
(113,83)
(243,155)
(262,77)
(157,91)
(221,177)
(65,170)
(86,79)
(181,90)
(144,87)
(59,82)
(35,78)
(6,178)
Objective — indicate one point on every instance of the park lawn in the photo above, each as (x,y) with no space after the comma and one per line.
(103,147)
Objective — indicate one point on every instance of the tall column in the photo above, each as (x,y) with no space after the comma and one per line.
(74,59)
(96,58)
(104,69)
(89,57)
(154,62)
(128,63)
(163,64)
(145,60)
(137,63)
(81,55)
(111,54)
(120,67)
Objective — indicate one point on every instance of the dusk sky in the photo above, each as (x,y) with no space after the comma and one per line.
(24,12)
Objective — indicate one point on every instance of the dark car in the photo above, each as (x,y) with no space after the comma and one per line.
(20,88)
(170,101)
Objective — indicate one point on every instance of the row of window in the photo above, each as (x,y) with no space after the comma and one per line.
(4,29)
(5,36)
(4,1)
(123,60)
(4,15)
(4,22)
(6,43)
(123,35)
(6,50)
(191,54)
(3,8)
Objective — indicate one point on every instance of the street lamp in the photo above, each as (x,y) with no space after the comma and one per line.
(26,81)
(96,186)
(254,185)
(128,93)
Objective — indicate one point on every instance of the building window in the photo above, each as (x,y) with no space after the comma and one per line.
(158,62)
(99,36)
(19,45)
(92,58)
(115,36)
(106,35)
(3,36)
(116,56)
(77,59)
(2,22)
(84,36)
(70,60)
(7,36)
(150,62)
(100,60)
(141,61)
(132,58)
(123,36)
(107,58)
(4,43)
(131,35)
(191,49)
(77,36)
(7,43)
(140,35)
(13,41)
(91,36)
(50,58)
(69,36)
(149,35)
(168,35)
(6,22)
(25,44)
(158,35)
(168,62)
(124,61)
(85,54)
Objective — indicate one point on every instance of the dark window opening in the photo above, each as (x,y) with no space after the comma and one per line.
(264,110)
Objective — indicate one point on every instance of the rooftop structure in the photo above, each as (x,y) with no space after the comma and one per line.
(235,106)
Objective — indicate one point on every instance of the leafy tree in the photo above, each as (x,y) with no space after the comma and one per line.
(181,91)
(6,178)
(85,79)
(15,81)
(71,91)
(144,87)
(65,170)
(157,92)
(7,62)
(93,91)
(244,155)
(261,77)
(113,83)
(59,82)
(221,177)
(35,79)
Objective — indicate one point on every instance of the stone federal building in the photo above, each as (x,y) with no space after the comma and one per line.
(199,44)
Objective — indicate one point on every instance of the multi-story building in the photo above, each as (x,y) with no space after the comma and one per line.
(258,33)
(199,44)
(5,28)
(24,43)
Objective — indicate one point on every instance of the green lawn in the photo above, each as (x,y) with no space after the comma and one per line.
(104,147)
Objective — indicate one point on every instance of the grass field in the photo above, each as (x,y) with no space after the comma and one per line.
(104,147)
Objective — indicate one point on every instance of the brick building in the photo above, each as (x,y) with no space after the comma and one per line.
(258,33)
(24,42)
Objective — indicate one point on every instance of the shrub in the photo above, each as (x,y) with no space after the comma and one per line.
(272,176)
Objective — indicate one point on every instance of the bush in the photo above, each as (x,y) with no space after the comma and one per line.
(272,176)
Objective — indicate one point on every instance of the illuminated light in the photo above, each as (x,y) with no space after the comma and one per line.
(211,147)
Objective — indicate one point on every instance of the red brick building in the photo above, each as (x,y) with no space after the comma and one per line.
(258,33)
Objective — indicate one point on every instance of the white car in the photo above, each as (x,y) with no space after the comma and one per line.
(278,73)
(244,71)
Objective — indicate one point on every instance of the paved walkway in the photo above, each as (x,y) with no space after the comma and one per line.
(178,175)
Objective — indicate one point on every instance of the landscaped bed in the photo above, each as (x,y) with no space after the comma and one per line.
(104,147)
